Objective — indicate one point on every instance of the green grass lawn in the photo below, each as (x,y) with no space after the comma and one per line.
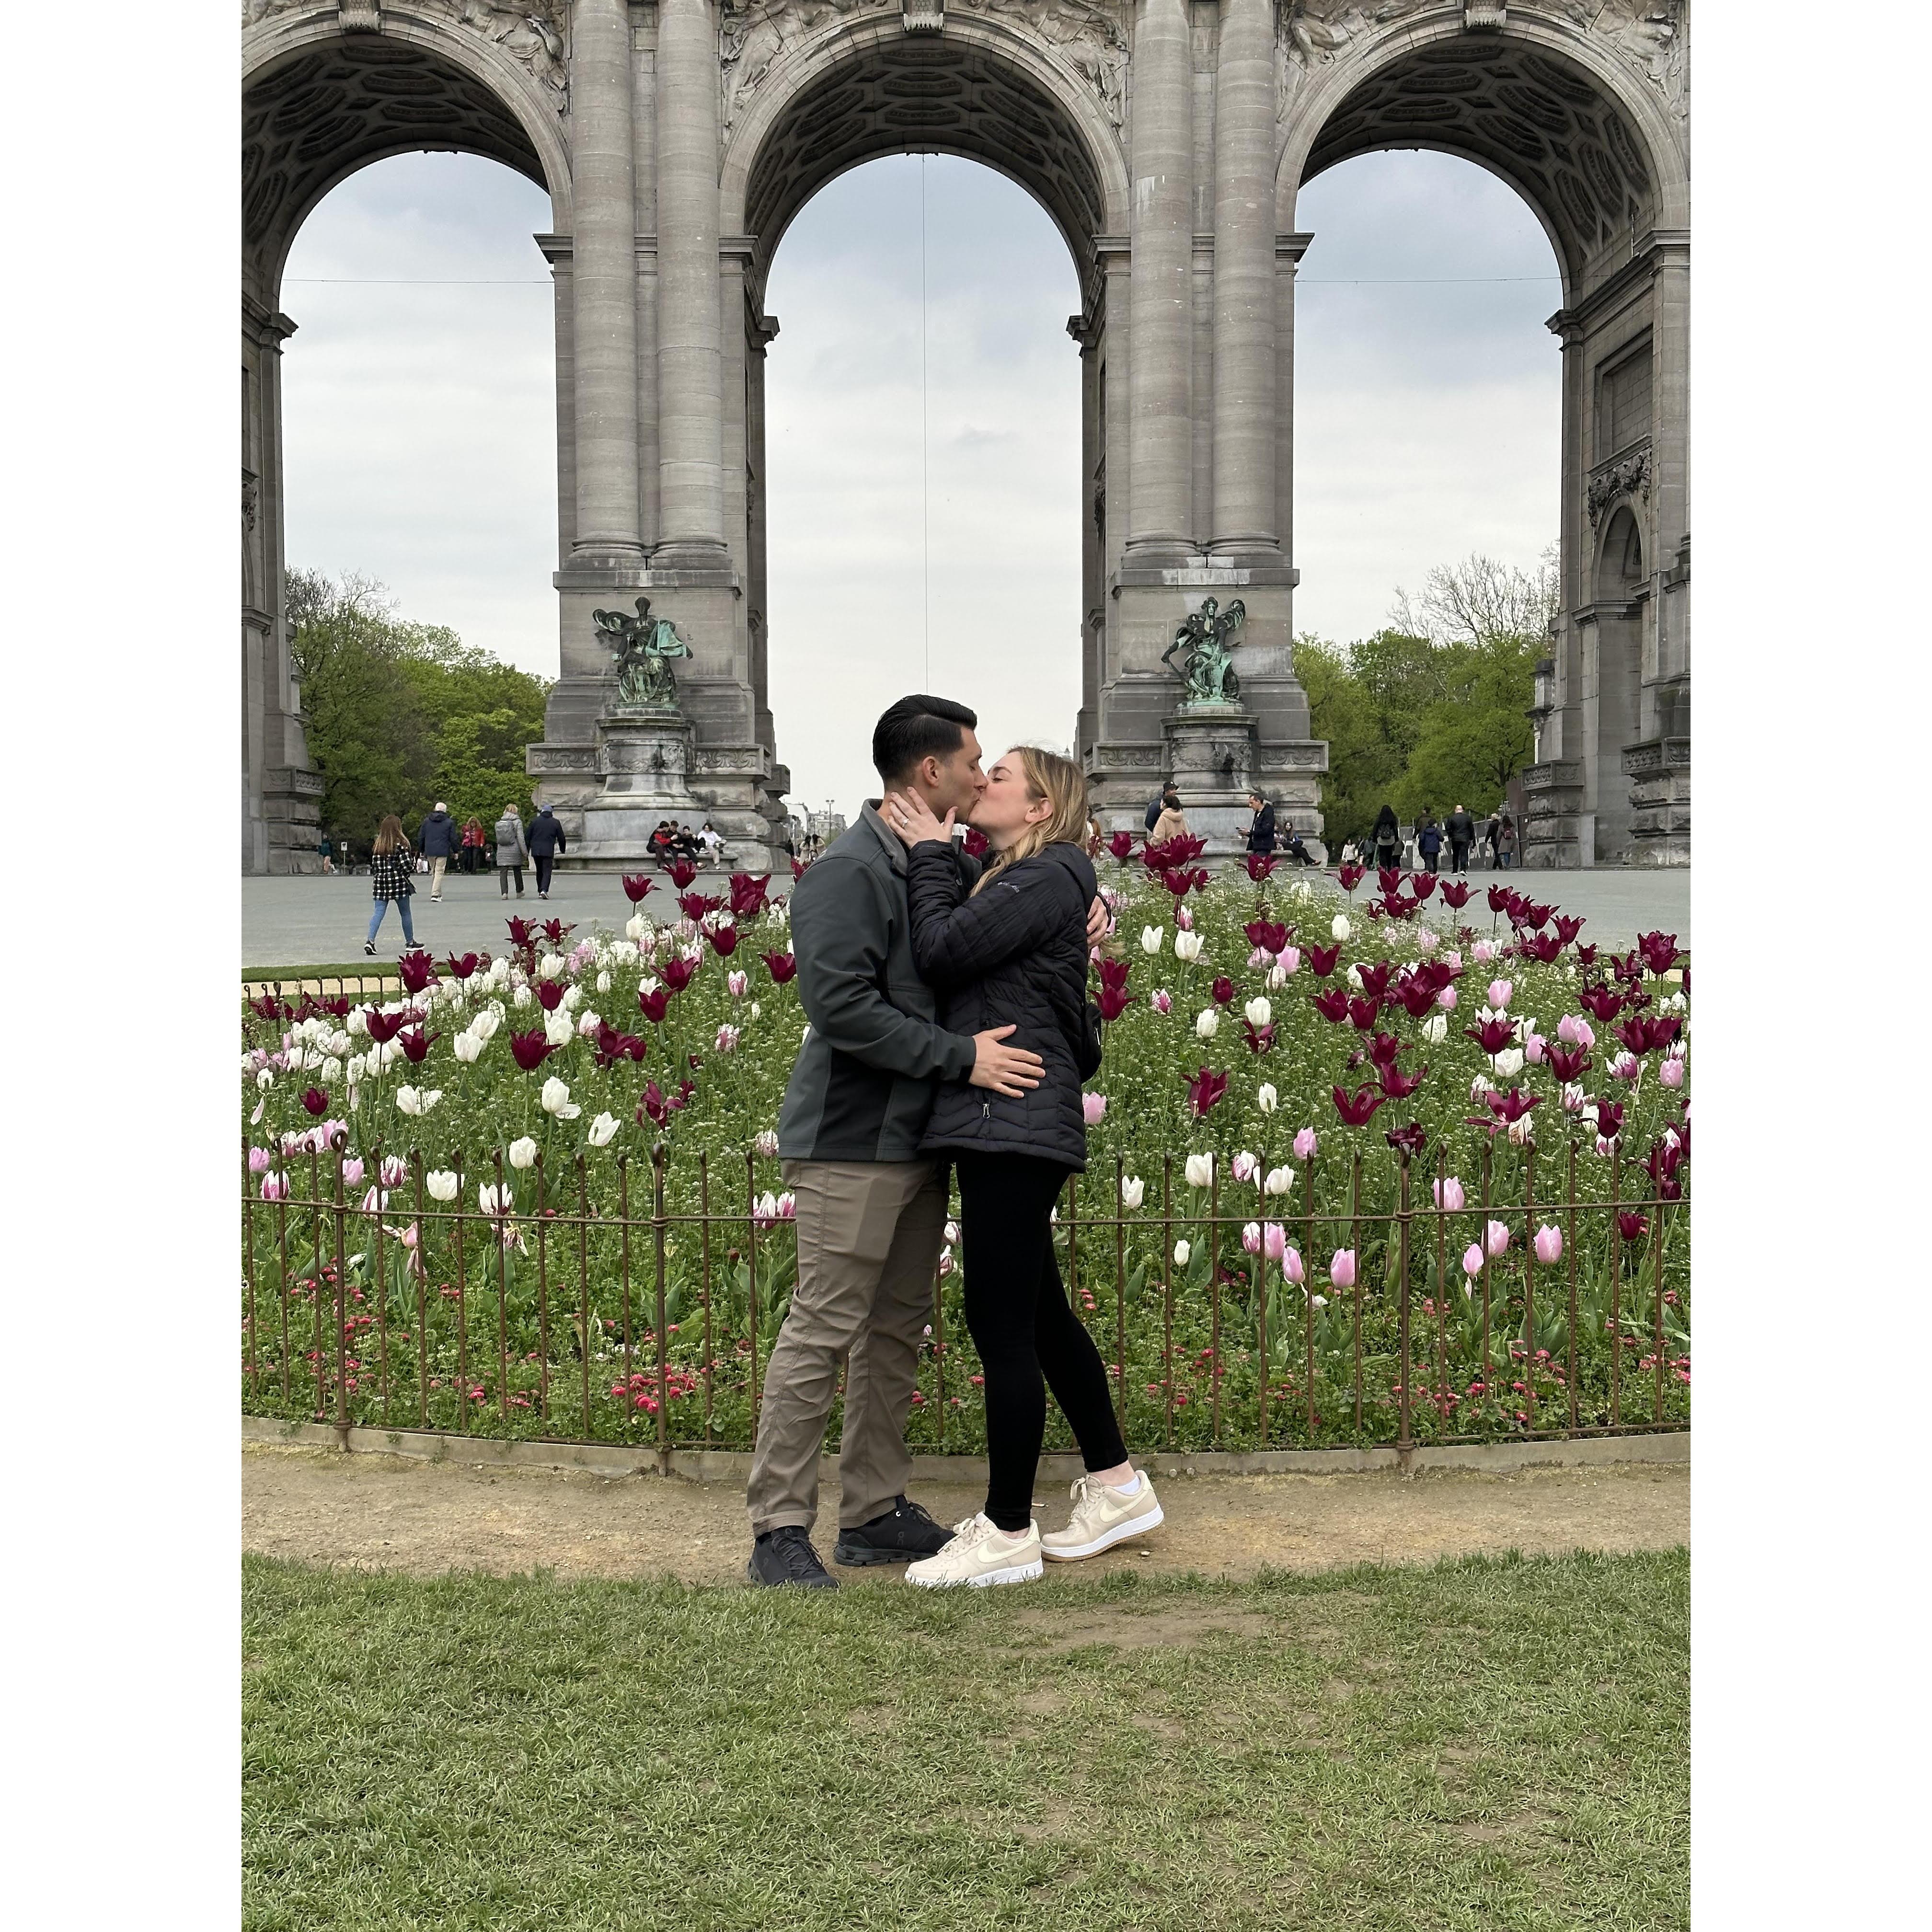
(1488,1744)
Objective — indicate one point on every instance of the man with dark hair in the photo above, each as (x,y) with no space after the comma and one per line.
(871,1210)
(1261,827)
(1462,830)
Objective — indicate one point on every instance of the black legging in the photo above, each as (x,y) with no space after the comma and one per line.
(1022,1327)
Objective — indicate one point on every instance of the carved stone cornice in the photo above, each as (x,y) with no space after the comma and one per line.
(1623,476)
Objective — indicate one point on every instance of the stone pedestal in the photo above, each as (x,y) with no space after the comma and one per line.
(644,760)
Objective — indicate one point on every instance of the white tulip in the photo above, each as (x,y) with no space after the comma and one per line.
(557,1100)
(550,965)
(634,926)
(558,1029)
(1200,1170)
(1277,977)
(467,1046)
(1302,893)
(264,1080)
(486,1022)
(1258,1011)
(1207,1023)
(1280,1181)
(331,1069)
(522,1153)
(1266,1099)
(766,1144)
(420,1101)
(441,1183)
(603,1130)
(572,996)
(520,997)
(1339,928)
(358,1022)
(1509,1062)
(1355,978)
(493,1202)
(588,1023)
(1133,1191)
(1187,945)
(1435,1028)
(603,983)
(1182,1249)
(1151,938)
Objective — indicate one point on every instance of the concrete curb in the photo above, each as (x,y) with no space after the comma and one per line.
(733,1466)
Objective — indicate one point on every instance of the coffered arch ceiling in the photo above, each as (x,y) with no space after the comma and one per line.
(1545,125)
(313,118)
(925,96)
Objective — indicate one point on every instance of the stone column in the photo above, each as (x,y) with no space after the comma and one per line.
(1244,519)
(1160,433)
(604,279)
(690,398)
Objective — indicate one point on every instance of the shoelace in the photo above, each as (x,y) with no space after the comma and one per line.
(800,1559)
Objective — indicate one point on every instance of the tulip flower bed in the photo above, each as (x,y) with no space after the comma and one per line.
(1410,1165)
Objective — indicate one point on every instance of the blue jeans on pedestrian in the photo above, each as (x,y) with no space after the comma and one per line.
(376,919)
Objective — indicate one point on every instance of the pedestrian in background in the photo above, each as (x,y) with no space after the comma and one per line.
(1493,833)
(1428,839)
(1385,840)
(1261,827)
(1462,830)
(1170,824)
(390,865)
(511,851)
(1506,843)
(437,841)
(474,838)
(546,840)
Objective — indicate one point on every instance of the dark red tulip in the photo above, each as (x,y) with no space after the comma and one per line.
(461,967)
(1332,1005)
(557,931)
(1113,972)
(1183,848)
(1567,929)
(1268,935)
(1510,1107)
(530,1049)
(724,939)
(337,1008)
(1659,950)
(1261,864)
(1410,1140)
(975,843)
(268,1007)
(1603,1004)
(1121,844)
(1350,876)
(1399,1085)
(798,866)
(695,905)
(1182,880)
(748,894)
(682,873)
(637,886)
(384,1027)
(677,972)
(1392,905)
(1610,1119)
(550,994)
(1500,898)
(1529,914)
(1632,1227)
(1567,1063)
(781,966)
(1415,995)
(654,1004)
(1389,878)
(1455,893)
(1422,884)
(1375,977)
(1260,1040)
(1358,1109)
(1542,947)
(316,1101)
(1586,956)
(1363,1012)
(1385,1048)
(416,1044)
(523,933)
(417,970)
(1321,960)
(653,1106)
(1223,989)
(1374,909)
(1493,1035)
(1204,1091)
(611,1046)
(1113,1001)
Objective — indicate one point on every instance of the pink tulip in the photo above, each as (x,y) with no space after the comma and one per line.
(1671,1073)
(374,1201)
(1446,999)
(1500,990)
(1245,1166)
(1341,1268)
(1292,1267)
(1573,1030)
(1549,1245)
(1497,1235)
(275,1187)
(1183,919)
(1094,1108)
(395,1171)
(1274,1241)
(1427,941)
(737,982)
(1626,1066)
(1289,959)
(1482,952)
(1306,1145)
(1472,1259)
(1162,1001)
(260,1160)
(1573,1099)
(1448,1194)
(1532,1049)
(351,1171)
(1251,1237)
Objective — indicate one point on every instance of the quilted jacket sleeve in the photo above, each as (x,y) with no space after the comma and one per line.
(956,939)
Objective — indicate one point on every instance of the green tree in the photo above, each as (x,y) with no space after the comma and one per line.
(400,714)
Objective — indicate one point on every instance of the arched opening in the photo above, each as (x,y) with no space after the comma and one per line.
(922,422)
(1612,655)
(319,107)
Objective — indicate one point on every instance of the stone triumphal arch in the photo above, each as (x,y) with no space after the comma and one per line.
(1168,139)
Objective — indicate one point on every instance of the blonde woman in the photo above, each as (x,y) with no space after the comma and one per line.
(390,865)
(1013,951)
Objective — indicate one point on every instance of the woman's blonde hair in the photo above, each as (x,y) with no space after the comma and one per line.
(389,835)
(1063,785)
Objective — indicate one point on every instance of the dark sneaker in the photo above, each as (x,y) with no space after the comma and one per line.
(903,1533)
(785,1555)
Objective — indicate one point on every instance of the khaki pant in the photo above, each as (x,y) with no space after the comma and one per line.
(436,866)
(868,1240)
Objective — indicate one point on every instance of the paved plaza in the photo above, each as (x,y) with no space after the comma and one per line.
(312,921)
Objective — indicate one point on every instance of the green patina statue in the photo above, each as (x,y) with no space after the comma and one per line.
(641,650)
(1207,663)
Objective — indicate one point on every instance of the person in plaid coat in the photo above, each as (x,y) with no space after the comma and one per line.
(391,864)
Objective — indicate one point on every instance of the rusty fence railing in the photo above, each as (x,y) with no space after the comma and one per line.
(1302,1303)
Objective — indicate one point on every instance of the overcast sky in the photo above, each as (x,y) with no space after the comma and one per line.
(419,406)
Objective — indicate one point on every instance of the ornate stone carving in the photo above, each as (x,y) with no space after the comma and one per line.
(1087,36)
(923,16)
(1204,641)
(1653,34)
(641,650)
(251,498)
(1310,34)
(751,38)
(1631,477)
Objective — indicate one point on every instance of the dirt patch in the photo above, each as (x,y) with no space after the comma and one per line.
(1519,1825)
(365,1511)
(1179,1628)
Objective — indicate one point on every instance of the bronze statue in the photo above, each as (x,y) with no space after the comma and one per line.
(641,650)
(1207,664)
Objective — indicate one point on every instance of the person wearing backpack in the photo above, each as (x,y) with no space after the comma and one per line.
(1013,949)
(1384,844)
(1428,839)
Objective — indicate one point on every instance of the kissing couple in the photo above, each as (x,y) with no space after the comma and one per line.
(949,1030)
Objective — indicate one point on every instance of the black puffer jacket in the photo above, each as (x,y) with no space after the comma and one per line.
(1015,954)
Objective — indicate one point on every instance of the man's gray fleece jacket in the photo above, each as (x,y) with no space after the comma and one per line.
(864,1079)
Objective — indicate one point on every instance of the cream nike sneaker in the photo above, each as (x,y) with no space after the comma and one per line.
(1102,1517)
(980,1554)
